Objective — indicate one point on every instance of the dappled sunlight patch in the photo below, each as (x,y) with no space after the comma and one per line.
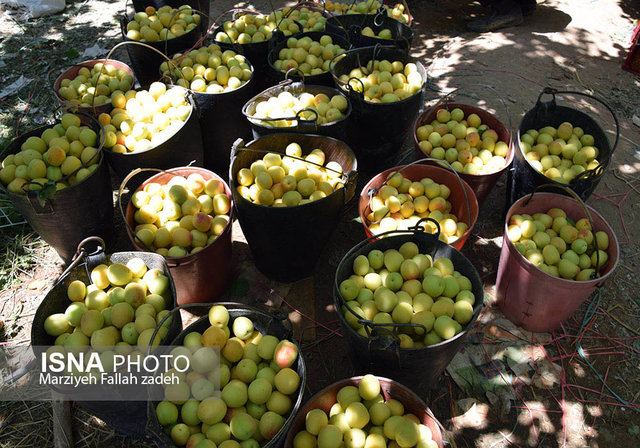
(595,411)
(629,168)
(471,414)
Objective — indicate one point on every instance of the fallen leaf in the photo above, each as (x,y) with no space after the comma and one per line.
(15,86)
(94,51)
(37,284)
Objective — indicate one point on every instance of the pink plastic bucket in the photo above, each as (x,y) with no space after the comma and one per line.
(530,297)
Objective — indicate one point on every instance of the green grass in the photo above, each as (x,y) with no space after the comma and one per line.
(18,244)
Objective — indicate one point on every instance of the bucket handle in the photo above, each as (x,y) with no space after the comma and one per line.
(142,44)
(375,49)
(349,179)
(599,170)
(302,122)
(580,202)
(311,124)
(81,254)
(69,105)
(291,71)
(281,85)
(373,191)
(189,95)
(367,324)
(312,5)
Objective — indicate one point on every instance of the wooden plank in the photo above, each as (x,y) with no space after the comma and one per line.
(62,432)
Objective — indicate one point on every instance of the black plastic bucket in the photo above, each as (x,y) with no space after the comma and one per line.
(336,129)
(277,234)
(146,62)
(126,419)
(221,123)
(378,130)
(197,5)
(350,26)
(265,322)
(71,214)
(257,53)
(309,5)
(418,368)
(524,178)
(321,79)
(183,148)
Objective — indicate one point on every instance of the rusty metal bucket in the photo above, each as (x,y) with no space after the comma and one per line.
(200,277)
(463,200)
(389,389)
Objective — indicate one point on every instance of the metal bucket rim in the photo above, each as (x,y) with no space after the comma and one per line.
(302,4)
(354,170)
(526,263)
(349,381)
(477,306)
(88,63)
(305,86)
(386,18)
(178,261)
(410,59)
(250,45)
(402,2)
(472,198)
(271,57)
(560,108)
(510,155)
(237,89)
(159,44)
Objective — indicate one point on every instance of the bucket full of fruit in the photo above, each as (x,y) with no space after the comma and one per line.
(555,253)
(399,197)
(219,80)
(200,6)
(58,180)
(261,379)
(296,107)
(88,86)
(186,215)
(310,53)
(562,146)
(167,30)
(382,111)
(396,10)
(365,30)
(351,410)
(311,15)
(253,34)
(289,191)
(406,303)
(157,127)
(112,304)
(476,144)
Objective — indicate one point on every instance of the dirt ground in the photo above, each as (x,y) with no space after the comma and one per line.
(574,45)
